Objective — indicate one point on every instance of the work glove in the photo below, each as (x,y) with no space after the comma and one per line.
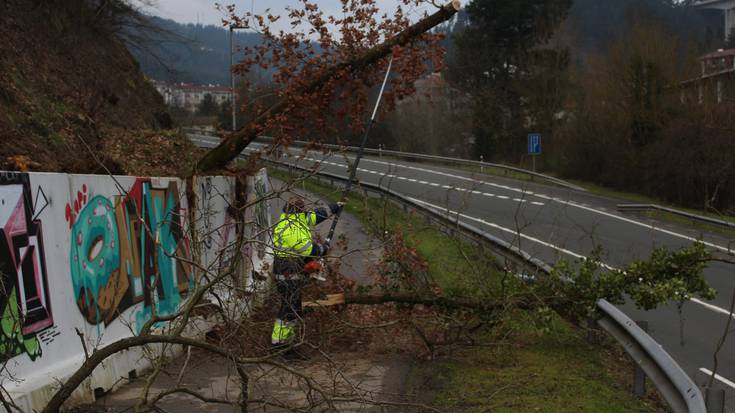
(335,207)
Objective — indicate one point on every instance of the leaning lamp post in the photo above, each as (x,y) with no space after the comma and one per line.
(233,94)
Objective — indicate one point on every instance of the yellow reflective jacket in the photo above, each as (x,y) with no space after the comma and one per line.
(292,235)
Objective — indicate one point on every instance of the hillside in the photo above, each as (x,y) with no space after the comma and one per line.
(69,89)
(189,53)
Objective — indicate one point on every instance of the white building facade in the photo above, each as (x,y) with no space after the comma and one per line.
(190,96)
(728,10)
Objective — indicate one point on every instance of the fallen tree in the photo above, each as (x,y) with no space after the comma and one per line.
(234,143)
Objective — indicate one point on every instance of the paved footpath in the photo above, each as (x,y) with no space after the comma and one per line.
(379,377)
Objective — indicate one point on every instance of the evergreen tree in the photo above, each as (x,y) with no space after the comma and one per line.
(208,107)
(491,56)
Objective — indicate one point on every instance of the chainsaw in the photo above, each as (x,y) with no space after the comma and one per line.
(316,269)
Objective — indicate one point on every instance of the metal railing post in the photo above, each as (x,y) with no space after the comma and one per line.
(715,399)
(639,376)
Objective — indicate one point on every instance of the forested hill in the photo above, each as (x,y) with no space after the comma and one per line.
(72,98)
(591,25)
(189,53)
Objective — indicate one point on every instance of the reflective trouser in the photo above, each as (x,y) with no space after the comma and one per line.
(289,312)
(283,332)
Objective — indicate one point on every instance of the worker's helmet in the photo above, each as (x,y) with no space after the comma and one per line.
(295,205)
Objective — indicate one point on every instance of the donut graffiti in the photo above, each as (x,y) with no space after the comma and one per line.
(25,308)
(125,251)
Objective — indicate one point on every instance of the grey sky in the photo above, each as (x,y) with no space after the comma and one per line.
(205,12)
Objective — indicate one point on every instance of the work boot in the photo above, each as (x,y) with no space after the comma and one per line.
(294,355)
(287,353)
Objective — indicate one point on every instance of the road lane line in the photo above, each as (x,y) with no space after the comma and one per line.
(318,162)
(718,377)
(496,226)
(549,245)
(565,202)
(711,307)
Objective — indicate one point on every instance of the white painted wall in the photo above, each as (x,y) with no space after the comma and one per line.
(66,238)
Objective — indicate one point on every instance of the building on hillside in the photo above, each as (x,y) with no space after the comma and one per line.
(728,10)
(189,96)
(164,89)
(716,83)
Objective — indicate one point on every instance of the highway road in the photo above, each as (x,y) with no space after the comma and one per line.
(555,223)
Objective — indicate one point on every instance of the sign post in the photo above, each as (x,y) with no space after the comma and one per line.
(534,147)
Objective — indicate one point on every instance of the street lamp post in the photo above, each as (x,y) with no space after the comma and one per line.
(232,84)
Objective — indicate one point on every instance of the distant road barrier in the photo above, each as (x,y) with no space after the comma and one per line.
(203,133)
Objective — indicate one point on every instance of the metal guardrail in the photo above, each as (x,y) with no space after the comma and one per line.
(677,388)
(680,392)
(410,155)
(648,207)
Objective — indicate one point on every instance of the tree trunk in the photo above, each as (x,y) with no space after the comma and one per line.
(234,144)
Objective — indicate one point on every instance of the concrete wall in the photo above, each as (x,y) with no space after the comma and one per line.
(74,254)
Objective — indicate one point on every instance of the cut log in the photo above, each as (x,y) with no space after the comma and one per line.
(332,299)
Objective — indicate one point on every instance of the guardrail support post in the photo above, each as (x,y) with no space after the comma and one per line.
(715,399)
(592,331)
(639,376)
(482,167)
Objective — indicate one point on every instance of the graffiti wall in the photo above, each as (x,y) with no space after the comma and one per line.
(91,258)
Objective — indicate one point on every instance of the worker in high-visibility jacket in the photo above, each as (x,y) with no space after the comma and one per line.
(294,249)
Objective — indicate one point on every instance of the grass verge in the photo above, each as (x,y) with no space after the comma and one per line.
(527,362)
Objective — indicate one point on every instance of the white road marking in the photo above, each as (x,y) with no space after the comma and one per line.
(718,377)
(546,244)
(563,202)
(496,226)
(711,307)
(318,162)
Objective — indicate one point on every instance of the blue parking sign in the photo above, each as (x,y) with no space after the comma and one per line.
(534,144)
